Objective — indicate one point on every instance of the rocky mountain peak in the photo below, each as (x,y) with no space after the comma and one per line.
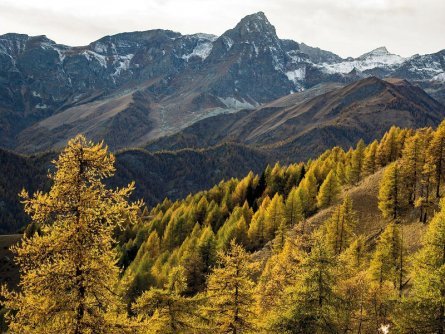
(252,36)
(379,52)
(256,23)
(254,27)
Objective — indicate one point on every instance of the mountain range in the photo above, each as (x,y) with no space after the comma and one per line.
(133,88)
(183,112)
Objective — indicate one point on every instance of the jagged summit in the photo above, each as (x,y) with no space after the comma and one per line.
(253,26)
(378,52)
(253,37)
(257,22)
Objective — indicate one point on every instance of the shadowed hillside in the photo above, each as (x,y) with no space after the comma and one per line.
(157,175)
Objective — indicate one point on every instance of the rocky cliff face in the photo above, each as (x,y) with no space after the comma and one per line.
(133,87)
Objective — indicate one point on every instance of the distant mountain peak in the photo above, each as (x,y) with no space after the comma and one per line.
(259,16)
(255,23)
(254,30)
(379,52)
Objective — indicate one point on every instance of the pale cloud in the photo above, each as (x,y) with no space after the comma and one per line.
(346,27)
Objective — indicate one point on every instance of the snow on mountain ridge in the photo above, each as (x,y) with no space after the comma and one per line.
(296,75)
(381,51)
(202,51)
(439,77)
(379,57)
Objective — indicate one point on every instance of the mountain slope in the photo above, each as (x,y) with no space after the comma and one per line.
(303,125)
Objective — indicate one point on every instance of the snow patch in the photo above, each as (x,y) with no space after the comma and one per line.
(41,106)
(47,45)
(90,55)
(439,77)
(376,58)
(233,103)
(206,37)
(295,57)
(255,47)
(296,75)
(123,64)
(61,54)
(100,47)
(228,42)
(201,50)
(35,94)
(276,61)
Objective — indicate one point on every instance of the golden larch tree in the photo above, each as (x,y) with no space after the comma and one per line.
(230,293)
(69,272)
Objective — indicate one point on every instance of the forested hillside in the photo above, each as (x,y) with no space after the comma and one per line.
(349,242)
(16,172)
(168,173)
(318,261)
(296,127)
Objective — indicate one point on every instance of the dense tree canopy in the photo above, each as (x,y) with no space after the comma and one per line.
(284,251)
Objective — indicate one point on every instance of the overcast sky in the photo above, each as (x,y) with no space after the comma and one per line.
(346,27)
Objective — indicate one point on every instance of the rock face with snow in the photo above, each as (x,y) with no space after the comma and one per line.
(130,88)
(39,78)
(378,58)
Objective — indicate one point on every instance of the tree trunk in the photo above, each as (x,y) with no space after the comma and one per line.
(80,280)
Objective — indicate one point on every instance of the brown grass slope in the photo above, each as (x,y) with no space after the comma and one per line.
(371,222)
(303,126)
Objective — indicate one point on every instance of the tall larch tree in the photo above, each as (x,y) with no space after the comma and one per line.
(388,149)
(411,165)
(168,311)
(423,311)
(340,228)
(329,191)
(293,210)
(137,278)
(388,262)
(436,155)
(309,190)
(230,305)
(257,232)
(391,192)
(352,288)
(309,306)
(387,276)
(341,173)
(370,159)
(69,272)
(274,216)
(425,201)
(355,172)
(280,272)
